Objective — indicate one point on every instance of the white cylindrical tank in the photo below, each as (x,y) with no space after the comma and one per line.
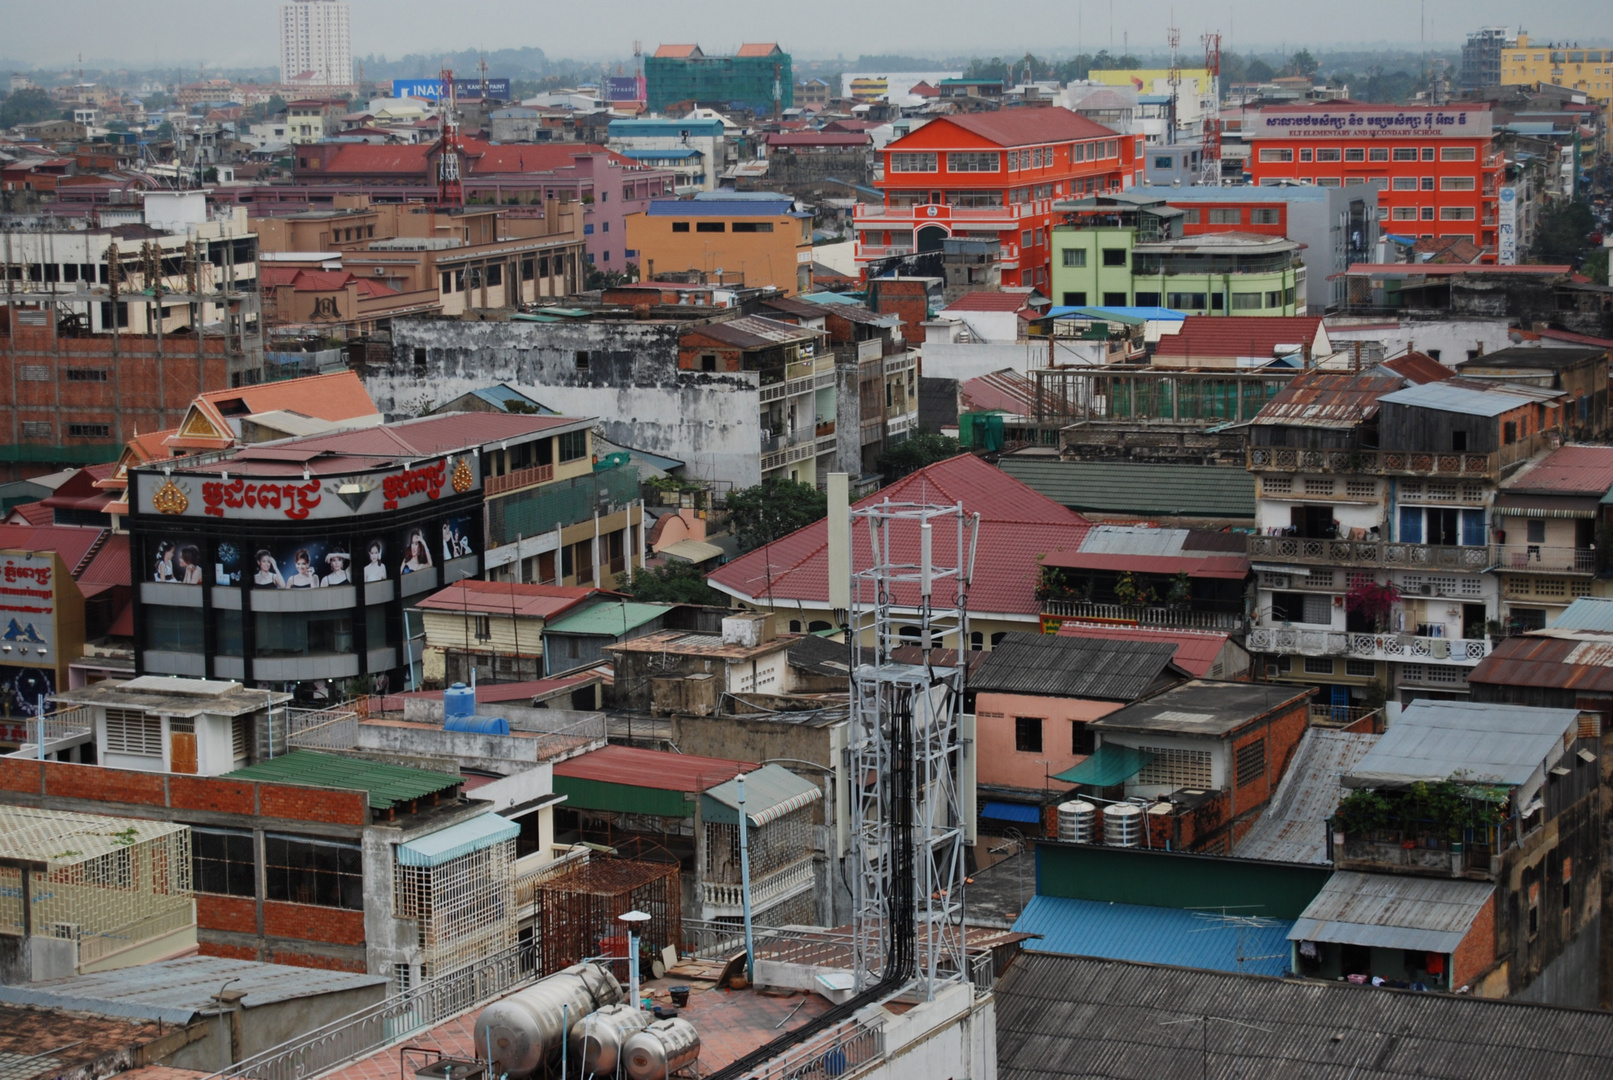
(1075,821)
(526,1028)
(597,1039)
(1122,825)
(662,1049)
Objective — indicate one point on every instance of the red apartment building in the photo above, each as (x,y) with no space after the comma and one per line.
(1434,166)
(992,176)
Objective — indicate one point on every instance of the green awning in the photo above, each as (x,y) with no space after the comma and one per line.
(1109,766)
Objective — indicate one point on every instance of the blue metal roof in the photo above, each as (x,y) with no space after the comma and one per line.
(1586,613)
(661,155)
(720,207)
(1156,935)
(448,844)
(665,127)
(1007,811)
(1147,314)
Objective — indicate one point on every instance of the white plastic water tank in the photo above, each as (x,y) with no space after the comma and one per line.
(1122,825)
(1075,821)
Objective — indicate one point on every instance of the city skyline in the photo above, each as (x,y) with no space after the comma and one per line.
(107,33)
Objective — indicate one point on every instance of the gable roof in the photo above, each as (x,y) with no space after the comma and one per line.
(71,542)
(761,48)
(1215,337)
(1196,650)
(1047,665)
(1139,487)
(683,52)
(1577,657)
(1418,368)
(1487,743)
(1017,527)
(1568,470)
(1324,399)
(1467,396)
(1021,127)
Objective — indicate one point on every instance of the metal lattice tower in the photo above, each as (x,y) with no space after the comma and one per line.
(907,853)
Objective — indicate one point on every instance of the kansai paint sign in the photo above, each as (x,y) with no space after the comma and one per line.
(280,498)
(431,89)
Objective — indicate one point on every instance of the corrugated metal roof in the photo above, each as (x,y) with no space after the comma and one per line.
(523,599)
(61,838)
(387,785)
(1294,825)
(1533,357)
(174,991)
(1069,1018)
(1554,658)
(755,332)
(608,620)
(1568,470)
(1483,742)
(1209,337)
(1586,613)
(1133,540)
(659,769)
(1156,935)
(1202,707)
(990,301)
(770,792)
(1393,911)
(1415,366)
(1447,396)
(1196,650)
(456,840)
(1123,487)
(1322,399)
(1056,666)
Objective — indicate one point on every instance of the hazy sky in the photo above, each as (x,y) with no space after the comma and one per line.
(243,32)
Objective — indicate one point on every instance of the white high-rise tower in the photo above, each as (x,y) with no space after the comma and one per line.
(316,47)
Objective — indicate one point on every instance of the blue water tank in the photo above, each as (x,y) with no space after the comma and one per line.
(484,725)
(458,700)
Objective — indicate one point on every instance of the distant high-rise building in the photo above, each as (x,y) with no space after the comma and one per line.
(316,47)
(1481,56)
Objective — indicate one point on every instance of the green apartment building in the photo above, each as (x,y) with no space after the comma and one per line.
(1127,250)
(748,78)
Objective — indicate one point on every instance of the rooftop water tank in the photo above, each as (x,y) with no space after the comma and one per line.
(485,725)
(597,1039)
(526,1029)
(1075,821)
(458,700)
(661,1049)
(1122,825)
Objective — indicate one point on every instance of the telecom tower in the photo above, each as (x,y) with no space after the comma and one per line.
(1173,37)
(1210,157)
(908,822)
(450,151)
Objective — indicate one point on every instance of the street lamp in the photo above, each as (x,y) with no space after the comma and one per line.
(634,921)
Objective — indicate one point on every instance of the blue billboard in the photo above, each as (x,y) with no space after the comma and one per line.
(432,88)
(624,88)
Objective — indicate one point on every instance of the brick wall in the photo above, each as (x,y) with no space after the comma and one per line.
(313,960)
(313,804)
(229,952)
(305,922)
(204,793)
(237,914)
(1476,954)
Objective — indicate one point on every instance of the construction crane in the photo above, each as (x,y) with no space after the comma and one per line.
(450,151)
(1210,156)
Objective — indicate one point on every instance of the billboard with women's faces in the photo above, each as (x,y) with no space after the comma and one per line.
(173,560)
(287,564)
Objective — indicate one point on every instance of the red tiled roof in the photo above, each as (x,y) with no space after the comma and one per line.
(1017,527)
(659,769)
(1001,391)
(1577,339)
(409,160)
(990,301)
(371,287)
(71,542)
(1195,652)
(321,280)
(485,158)
(34,513)
(504,597)
(1019,127)
(677,51)
(1418,368)
(1568,470)
(1209,336)
(340,395)
(759,48)
(110,566)
(271,276)
(343,450)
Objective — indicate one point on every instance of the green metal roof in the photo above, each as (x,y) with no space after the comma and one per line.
(770,792)
(1110,765)
(386,785)
(608,619)
(1128,487)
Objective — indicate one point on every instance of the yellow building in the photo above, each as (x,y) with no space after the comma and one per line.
(753,239)
(1590,70)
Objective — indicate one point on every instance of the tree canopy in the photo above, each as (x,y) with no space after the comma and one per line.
(1563,231)
(912,454)
(774,508)
(675,583)
(27,107)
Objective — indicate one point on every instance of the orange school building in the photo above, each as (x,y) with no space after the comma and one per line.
(1435,169)
(992,177)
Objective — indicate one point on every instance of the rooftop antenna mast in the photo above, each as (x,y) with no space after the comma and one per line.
(450,152)
(1173,37)
(1210,157)
(906,735)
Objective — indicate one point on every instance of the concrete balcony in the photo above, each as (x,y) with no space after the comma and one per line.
(1421,855)
(1283,459)
(724,900)
(1543,559)
(1407,648)
(1386,553)
(1120,614)
(519,478)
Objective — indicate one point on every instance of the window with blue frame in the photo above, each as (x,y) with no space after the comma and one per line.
(588,229)
(1441,525)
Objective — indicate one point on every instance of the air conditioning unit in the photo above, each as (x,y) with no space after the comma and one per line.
(1428,590)
(378,270)
(1277,581)
(1273,671)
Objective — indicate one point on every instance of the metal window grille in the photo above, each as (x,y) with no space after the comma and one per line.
(1318,665)
(324,873)
(1364,668)
(464,907)
(133,731)
(1250,761)
(223,862)
(1176,768)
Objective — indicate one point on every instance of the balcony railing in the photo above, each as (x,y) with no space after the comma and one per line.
(1390,553)
(1343,716)
(1297,641)
(1145,616)
(1370,462)
(520,478)
(724,898)
(1543,559)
